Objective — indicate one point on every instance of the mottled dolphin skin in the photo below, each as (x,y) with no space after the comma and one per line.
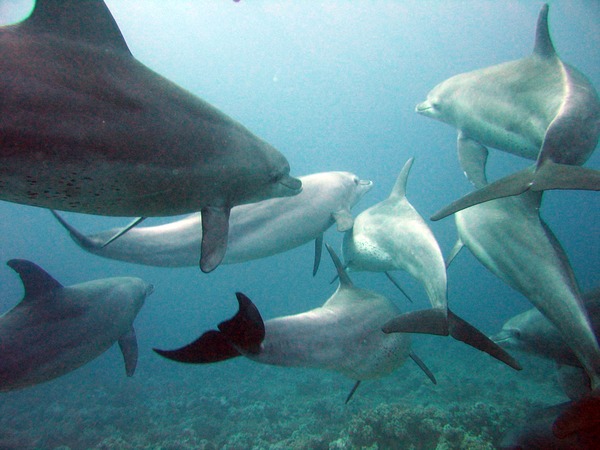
(344,335)
(87,128)
(256,230)
(56,329)
(536,107)
(508,237)
(392,235)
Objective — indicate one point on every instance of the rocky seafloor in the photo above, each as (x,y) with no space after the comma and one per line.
(243,405)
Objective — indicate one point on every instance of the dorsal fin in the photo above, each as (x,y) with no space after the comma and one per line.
(36,281)
(77,20)
(345,280)
(543,43)
(399,189)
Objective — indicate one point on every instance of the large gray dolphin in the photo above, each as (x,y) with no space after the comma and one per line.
(256,230)
(85,127)
(508,237)
(536,107)
(343,335)
(392,235)
(56,329)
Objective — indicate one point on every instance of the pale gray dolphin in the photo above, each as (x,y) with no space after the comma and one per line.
(343,335)
(536,107)
(392,235)
(508,237)
(87,128)
(256,230)
(56,329)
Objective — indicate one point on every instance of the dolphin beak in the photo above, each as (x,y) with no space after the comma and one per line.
(422,107)
(294,185)
(502,336)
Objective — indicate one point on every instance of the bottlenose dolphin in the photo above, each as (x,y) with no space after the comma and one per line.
(532,333)
(343,335)
(256,230)
(56,329)
(87,128)
(508,237)
(536,107)
(391,235)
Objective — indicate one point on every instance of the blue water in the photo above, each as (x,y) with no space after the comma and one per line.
(333,86)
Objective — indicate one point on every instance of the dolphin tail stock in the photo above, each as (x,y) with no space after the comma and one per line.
(443,322)
(581,416)
(544,175)
(241,334)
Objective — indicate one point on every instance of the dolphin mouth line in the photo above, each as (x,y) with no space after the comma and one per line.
(422,107)
(291,183)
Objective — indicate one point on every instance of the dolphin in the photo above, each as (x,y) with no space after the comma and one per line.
(344,335)
(87,128)
(391,235)
(536,107)
(511,240)
(56,329)
(256,230)
(531,332)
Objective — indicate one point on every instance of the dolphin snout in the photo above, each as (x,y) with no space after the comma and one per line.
(423,106)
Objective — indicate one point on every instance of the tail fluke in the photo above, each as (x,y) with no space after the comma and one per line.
(241,334)
(547,176)
(443,322)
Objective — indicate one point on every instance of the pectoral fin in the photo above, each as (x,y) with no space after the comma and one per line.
(129,349)
(419,362)
(215,230)
(344,219)
(318,252)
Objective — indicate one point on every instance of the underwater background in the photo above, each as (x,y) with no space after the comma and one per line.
(333,86)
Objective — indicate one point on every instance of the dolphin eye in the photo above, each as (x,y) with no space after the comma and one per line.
(356,181)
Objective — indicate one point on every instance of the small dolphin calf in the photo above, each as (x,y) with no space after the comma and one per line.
(256,230)
(57,329)
(87,128)
(392,235)
(536,107)
(343,335)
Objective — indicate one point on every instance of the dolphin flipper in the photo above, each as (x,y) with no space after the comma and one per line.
(352,391)
(244,332)
(81,239)
(547,176)
(344,220)
(442,322)
(419,362)
(458,246)
(215,230)
(318,251)
(129,349)
(395,283)
(124,230)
